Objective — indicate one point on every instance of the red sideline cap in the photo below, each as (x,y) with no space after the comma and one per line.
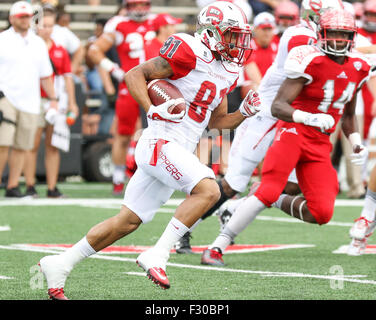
(21,8)
(165,19)
(264,20)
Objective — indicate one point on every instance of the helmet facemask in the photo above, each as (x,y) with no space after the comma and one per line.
(336,32)
(138,12)
(336,45)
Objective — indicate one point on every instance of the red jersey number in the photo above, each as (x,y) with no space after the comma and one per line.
(204,97)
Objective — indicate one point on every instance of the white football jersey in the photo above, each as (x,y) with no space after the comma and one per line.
(293,36)
(203,81)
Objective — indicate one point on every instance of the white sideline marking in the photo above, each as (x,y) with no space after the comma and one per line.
(141,274)
(117,202)
(292,220)
(4,228)
(6,278)
(348,278)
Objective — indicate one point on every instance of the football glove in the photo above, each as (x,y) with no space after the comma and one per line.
(160,112)
(359,155)
(360,152)
(322,121)
(251,104)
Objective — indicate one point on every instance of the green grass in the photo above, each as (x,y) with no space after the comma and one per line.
(102,279)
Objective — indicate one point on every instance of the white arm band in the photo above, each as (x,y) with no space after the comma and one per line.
(107,64)
(299,116)
(355,138)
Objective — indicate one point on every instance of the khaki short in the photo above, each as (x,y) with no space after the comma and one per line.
(42,123)
(20,136)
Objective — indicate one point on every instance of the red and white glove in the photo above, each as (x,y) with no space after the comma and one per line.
(160,112)
(113,69)
(251,104)
(360,152)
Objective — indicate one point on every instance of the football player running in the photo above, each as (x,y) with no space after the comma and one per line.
(309,105)
(205,68)
(254,136)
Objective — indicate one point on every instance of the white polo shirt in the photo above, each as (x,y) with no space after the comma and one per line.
(23,62)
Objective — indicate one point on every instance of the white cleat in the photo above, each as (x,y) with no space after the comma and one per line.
(362,228)
(357,247)
(56,273)
(154,263)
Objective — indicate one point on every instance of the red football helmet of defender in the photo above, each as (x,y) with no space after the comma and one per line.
(222,26)
(336,32)
(286,15)
(137,10)
(369,15)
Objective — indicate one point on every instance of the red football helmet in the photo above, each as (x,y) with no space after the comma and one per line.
(336,32)
(369,15)
(137,10)
(286,14)
(359,11)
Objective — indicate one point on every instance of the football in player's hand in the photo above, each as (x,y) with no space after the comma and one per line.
(161,91)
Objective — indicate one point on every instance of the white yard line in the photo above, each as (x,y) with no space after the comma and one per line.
(117,202)
(347,278)
(6,278)
(4,228)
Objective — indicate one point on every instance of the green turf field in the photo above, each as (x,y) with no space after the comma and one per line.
(308,271)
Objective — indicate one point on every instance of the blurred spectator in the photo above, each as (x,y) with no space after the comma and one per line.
(101,84)
(128,34)
(24,66)
(165,26)
(94,2)
(54,3)
(264,51)
(64,37)
(358,9)
(67,103)
(259,6)
(286,15)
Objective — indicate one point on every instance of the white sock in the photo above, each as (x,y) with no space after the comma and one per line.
(245,213)
(222,242)
(81,250)
(369,207)
(234,204)
(173,232)
(195,225)
(119,174)
(278,203)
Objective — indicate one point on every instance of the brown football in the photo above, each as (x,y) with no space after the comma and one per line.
(161,91)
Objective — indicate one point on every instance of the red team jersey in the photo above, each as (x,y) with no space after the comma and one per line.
(330,86)
(152,48)
(329,93)
(129,33)
(366,93)
(60,61)
(263,57)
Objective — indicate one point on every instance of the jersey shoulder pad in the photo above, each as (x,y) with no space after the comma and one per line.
(298,59)
(299,36)
(111,25)
(179,54)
